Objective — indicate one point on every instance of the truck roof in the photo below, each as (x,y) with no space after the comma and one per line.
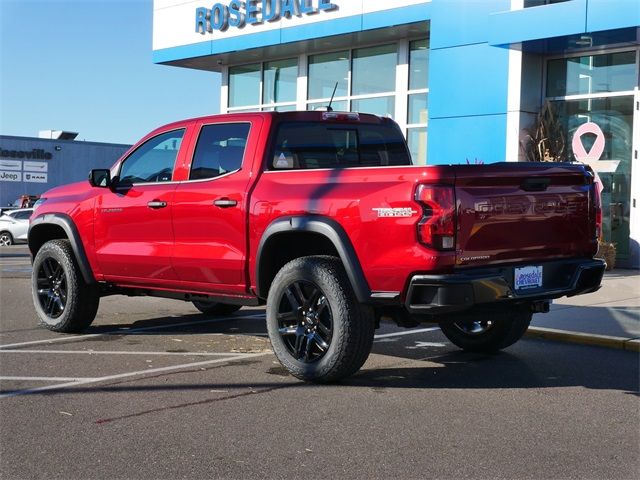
(300,116)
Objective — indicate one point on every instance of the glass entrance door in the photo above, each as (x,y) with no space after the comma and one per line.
(601,90)
(614,118)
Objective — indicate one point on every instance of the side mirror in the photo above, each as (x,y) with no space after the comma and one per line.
(100,177)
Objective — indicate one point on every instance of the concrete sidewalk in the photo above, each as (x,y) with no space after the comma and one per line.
(609,317)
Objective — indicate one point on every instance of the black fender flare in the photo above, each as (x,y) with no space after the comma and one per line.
(328,228)
(66,223)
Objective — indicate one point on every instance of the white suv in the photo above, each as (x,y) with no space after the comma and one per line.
(14,226)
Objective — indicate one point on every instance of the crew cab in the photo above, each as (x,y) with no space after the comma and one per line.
(322,217)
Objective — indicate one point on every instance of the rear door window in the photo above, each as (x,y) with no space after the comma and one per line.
(220,150)
(309,145)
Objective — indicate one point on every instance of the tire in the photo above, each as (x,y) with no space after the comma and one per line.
(63,300)
(318,330)
(6,239)
(215,308)
(488,334)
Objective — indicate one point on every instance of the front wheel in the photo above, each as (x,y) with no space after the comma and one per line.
(318,330)
(63,300)
(488,333)
(6,239)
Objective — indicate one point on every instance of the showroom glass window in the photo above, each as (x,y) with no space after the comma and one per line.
(219,150)
(152,161)
(325,72)
(265,86)
(244,85)
(611,72)
(279,81)
(374,73)
(417,111)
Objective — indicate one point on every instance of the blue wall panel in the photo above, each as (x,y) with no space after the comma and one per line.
(454,140)
(469,80)
(547,21)
(462,22)
(398,16)
(610,14)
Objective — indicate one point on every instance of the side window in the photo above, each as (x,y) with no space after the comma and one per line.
(24,215)
(309,145)
(153,160)
(219,150)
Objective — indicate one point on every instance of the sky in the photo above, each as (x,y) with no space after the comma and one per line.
(86,66)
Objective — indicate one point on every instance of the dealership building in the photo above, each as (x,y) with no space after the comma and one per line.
(464,79)
(33,165)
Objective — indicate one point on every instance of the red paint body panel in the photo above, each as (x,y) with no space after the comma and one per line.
(499,222)
(387,247)
(194,246)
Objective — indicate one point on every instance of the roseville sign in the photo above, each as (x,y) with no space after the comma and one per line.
(35,154)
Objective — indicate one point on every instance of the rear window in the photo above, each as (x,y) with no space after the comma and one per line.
(307,145)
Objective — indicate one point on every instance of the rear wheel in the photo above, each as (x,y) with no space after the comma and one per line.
(215,308)
(318,330)
(488,333)
(6,239)
(63,300)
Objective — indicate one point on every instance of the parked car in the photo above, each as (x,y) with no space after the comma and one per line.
(14,226)
(323,217)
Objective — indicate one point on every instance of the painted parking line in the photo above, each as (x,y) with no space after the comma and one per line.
(407,332)
(232,357)
(128,330)
(46,379)
(112,352)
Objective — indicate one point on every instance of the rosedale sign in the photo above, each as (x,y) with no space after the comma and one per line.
(255,12)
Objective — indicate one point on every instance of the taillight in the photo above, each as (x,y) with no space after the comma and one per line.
(437,227)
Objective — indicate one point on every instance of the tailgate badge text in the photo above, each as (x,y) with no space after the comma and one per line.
(395,212)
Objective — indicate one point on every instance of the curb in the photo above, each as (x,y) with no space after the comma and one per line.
(620,343)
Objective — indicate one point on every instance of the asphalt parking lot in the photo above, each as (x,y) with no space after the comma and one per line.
(155,389)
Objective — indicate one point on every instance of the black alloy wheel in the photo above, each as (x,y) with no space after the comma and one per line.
(305,321)
(488,332)
(52,287)
(63,300)
(318,330)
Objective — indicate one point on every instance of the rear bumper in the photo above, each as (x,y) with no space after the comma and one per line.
(437,294)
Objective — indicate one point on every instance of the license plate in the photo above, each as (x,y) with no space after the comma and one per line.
(528,277)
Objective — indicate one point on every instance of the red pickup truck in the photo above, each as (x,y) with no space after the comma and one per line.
(323,217)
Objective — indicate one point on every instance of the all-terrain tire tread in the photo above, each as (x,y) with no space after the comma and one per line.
(354,344)
(83,299)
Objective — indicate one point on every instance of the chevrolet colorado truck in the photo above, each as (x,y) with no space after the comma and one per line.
(322,217)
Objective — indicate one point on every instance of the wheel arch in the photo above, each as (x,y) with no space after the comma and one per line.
(292,237)
(51,226)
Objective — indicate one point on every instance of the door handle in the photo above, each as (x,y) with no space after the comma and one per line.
(155,204)
(225,203)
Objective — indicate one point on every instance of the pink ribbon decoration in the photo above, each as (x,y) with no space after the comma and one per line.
(598,146)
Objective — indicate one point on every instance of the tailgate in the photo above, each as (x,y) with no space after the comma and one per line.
(521,212)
